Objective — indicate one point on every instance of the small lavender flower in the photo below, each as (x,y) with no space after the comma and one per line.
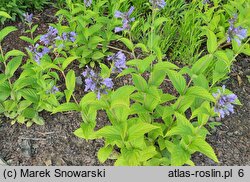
(235,33)
(119,60)
(50,36)
(28,17)
(224,102)
(158,3)
(206,2)
(96,83)
(53,90)
(38,54)
(126,20)
(71,36)
(87,3)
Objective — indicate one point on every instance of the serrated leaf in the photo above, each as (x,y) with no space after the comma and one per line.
(177,80)
(139,82)
(202,146)
(104,153)
(179,156)
(139,129)
(200,92)
(30,94)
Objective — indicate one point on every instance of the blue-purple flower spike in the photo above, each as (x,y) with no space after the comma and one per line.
(224,105)
(95,83)
(119,60)
(158,3)
(28,17)
(126,20)
(235,33)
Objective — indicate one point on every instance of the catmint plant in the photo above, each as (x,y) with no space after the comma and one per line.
(236,33)
(224,105)
(50,36)
(95,83)
(126,20)
(119,60)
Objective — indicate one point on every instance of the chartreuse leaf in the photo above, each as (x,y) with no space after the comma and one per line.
(104,153)
(67,61)
(5,31)
(139,129)
(13,53)
(86,131)
(202,64)
(148,153)
(4,14)
(179,156)
(156,77)
(30,94)
(200,92)
(128,43)
(177,80)
(70,80)
(5,91)
(211,42)
(66,107)
(12,66)
(199,144)
(131,156)
(140,82)
(110,133)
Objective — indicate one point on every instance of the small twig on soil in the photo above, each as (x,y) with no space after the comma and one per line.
(24,138)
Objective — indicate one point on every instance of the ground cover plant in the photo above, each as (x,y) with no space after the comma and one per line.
(142,40)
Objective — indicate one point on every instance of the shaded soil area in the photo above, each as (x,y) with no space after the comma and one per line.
(55,144)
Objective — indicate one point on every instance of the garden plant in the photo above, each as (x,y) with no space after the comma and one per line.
(189,46)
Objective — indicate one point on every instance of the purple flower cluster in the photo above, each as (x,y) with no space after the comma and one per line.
(224,102)
(28,17)
(206,2)
(119,60)
(71,36)
(235,33)
(38,53)
(96,83)
(126,20)
(158,3)
(50,36)
(87,3)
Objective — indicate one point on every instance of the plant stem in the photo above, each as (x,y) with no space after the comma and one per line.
(116,48)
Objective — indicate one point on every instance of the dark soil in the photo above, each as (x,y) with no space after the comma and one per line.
(55,144)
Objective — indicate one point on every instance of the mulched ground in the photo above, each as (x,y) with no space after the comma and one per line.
(55,144)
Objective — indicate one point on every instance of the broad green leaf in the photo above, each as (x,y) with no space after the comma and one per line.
(27,39)
(177,80)
(179,156)
(211,42)
(98,55)
(140,82)
(200,92)
(148,153)
(128,43)
(202,146)
(86,131)
(105,71)
(4,14)
(139,129)
(70,80)
(109,132)
(38,120)
(202,64)
(13,53)
(30,94)
(156,77)
(12,66)
(29,113)
(66,107)
(67,61)
(5,31)
(104,153)
(131,156)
